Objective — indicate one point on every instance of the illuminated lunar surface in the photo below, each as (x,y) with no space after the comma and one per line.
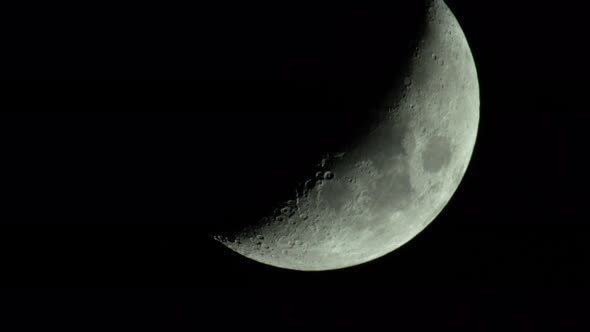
(384,189)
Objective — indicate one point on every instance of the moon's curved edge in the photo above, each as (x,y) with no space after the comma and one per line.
(441,25)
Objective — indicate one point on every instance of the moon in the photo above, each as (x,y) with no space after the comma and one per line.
(383,189)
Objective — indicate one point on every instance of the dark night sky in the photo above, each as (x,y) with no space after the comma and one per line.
(110,185)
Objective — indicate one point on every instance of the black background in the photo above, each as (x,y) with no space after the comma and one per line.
(121,153)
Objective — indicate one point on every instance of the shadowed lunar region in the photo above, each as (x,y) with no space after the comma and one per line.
(381,189)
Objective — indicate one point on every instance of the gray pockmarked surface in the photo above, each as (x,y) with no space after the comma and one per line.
(388,186)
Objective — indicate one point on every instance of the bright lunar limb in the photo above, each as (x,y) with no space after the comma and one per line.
(383,190)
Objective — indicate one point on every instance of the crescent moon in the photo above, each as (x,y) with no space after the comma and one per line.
(382,191)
